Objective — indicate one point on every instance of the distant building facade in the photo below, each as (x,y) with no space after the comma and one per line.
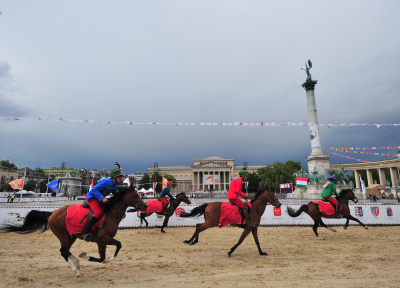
(208,174)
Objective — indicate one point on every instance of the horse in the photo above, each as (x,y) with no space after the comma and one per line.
(114,209)
(212,213)
(174,203)
(312,210)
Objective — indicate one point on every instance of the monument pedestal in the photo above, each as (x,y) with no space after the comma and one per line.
(320,162)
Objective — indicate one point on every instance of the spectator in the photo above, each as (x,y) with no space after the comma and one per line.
(12,198)
(374,198)
(398,198)
(370,197)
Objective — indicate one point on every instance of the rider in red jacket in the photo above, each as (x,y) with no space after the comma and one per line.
(235,190)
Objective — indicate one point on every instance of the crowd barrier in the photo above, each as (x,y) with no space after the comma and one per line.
(369,214)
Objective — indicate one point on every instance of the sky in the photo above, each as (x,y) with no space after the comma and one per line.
(192,62)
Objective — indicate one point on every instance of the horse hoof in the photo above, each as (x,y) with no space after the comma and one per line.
(82,255)
(229,254)
(186,241)
(320,238)
(366,227)
(193,243)
(263,254)
(162,231)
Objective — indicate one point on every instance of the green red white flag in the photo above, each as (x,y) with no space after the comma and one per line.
(301,182)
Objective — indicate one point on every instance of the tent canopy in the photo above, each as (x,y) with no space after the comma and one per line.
(374,188)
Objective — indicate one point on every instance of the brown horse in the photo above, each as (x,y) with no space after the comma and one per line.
(114,208)
(313,211)
(212,213)
(174,203)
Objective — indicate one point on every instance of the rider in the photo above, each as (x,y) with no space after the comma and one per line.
(329,189)
(165,192)
(97,194)
(235,190)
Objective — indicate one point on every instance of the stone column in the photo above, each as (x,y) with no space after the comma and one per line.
(317,159)
(369,177)
(357,177)
(382,176)
(393,176)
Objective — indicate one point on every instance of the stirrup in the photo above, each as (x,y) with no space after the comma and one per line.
(86,237)
(338,216)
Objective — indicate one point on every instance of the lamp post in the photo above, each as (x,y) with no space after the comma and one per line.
(155,177)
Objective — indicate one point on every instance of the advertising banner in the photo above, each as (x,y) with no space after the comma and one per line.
(211,180)
(369,214)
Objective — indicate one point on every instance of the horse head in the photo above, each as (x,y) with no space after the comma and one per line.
(181,197)
(348,193)
(134,200)
(271,198)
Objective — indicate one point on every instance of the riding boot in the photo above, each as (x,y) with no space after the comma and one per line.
(337,212)
(249,224)
(88,228)
(164,212)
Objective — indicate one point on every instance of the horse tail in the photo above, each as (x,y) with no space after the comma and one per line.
(34,221)
(292,213)
(196,211)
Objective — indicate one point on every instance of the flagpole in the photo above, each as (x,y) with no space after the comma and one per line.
(23,182)
(48,180)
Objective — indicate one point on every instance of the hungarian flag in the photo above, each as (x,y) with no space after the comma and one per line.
(17,184)
(91,185)
(154,186)
(301,182)
(164,182)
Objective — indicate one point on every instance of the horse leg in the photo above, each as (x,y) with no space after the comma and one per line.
(347,224)
(194,234)
(165,223)
(358,221)
(315,227)
(244,235)
(323,225)
(254,231)
(70,258)
(147,223)
(102,250)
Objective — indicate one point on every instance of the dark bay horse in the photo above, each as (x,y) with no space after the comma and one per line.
(212,213)
(313,211)
(114,208)
(174,203)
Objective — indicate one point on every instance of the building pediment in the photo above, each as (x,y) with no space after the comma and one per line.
(211,165)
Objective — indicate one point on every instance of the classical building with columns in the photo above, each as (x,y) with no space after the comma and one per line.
(208,174)
(391,164)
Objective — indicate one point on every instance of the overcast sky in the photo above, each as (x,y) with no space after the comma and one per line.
(193,61)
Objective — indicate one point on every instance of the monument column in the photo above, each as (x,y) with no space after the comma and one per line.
(382,176)
(317,159)
(369,177)
(393,176)
(357,177)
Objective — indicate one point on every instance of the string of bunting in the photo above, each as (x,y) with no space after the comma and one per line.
(358,159)
(256,124)
(362,152)
(362,148)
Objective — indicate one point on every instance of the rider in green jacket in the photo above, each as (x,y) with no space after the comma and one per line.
(329,190)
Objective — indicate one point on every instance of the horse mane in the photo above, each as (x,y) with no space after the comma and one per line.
(179,194)
(115,199)
(258,194)
(343,192)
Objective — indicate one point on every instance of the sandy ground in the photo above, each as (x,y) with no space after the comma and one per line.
(349,258)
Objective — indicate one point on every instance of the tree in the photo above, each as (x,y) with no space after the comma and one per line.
(6,163)
(144,182)
(30,185)
(39,170)
(278,173)
(254,182)
(158,179)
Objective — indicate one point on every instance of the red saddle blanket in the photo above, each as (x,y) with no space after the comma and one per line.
(326,207)
(230,215)
(75,214)
(154,206)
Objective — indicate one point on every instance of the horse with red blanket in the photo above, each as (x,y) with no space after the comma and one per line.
(155,206)
(319,209)
(221,214)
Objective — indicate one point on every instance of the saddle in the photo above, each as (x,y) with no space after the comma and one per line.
(241,212)
(90,213)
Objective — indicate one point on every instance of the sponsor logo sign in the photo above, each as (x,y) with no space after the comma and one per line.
(389,211)
(179,211)
(277,211)
(359,211)
(375,211)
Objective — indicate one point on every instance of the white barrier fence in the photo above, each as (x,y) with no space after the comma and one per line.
(34,199)
(369,214)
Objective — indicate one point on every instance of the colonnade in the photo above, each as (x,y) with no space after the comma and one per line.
(220,182)
(382,176)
